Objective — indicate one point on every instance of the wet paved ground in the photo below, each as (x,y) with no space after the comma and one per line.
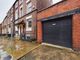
(49,53)
(16,48)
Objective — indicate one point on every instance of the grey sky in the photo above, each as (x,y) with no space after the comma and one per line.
(4,7)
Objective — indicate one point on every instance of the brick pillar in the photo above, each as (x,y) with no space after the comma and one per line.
(76,31)
(39,32)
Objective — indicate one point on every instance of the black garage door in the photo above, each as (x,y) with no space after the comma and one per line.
(58,31)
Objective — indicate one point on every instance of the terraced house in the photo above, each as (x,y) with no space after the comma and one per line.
(21,20)
(59,22)
(3,27)
(8,23)
(25,19)
(0,29)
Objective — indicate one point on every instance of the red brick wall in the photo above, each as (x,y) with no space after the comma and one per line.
(39,32)
(57,9)
(76,31)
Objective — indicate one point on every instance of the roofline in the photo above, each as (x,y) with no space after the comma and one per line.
(8,11)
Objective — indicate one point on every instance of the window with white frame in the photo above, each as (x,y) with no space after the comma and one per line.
(20,1)
(29,24)
(9,30)
(29,6)
(16,14)
(27,1)
(16,5)
(16,28)
(11,19)
(21,11)
(56,1)
(19,30)
(11,10)
(28,36)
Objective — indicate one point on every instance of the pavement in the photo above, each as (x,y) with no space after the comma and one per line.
(46,52)
(16,48)
(24,50)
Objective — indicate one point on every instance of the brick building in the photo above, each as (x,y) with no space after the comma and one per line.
(0,29)
(8,23)
(49,21)
(4,26)
(58,22)
(21,20)
(25,19)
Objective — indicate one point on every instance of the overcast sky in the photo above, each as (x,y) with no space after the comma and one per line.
(4,7)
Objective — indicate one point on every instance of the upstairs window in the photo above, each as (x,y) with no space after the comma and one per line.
(16,5)
(11,17)
(29,6)
(56,1)
(20,1)
(16,14)
(27,1)
(21,11)
(11,10)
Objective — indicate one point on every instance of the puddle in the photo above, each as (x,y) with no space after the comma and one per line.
(15,48)
(4,55)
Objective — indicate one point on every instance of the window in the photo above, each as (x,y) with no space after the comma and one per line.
(20,1)
(16,5)
(21,11)
(29,23)
(9,30)
(19,30)
(11,10)
(11,19)
(56,1)
(16,14)
(29,7)
(16,28)
(28,36)
(27,1)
